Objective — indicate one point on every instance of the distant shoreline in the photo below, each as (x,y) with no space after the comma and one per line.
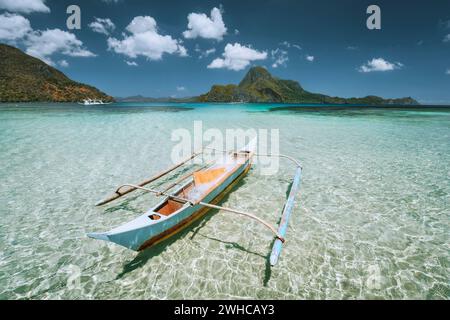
(276,105)
(307,107)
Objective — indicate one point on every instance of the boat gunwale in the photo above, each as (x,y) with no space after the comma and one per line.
(194,216)
(237,165)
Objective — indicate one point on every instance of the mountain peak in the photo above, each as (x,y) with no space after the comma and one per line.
(259,85)
(254,74)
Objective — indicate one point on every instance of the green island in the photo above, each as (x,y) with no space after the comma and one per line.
(259,85)
(24,78)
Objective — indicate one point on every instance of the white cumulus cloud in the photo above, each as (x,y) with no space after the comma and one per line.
(200,25)
(131,63)
(42,44)
(447,72)
(13,27)
(204,54)
(280,57)
(182,51)
(144,40)
(379,64)
(208,52)
(236,57)
(100,25)
(181,88)
(24,6)
(310,58)
(287,44)
(63,63)
(447,38)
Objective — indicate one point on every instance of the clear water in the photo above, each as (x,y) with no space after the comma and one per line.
(372,219)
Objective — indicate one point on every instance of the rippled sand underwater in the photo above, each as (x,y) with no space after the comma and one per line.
(371,222)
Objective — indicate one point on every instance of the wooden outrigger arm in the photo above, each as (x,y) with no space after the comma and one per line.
(119,192)
(212,206)
(288,206)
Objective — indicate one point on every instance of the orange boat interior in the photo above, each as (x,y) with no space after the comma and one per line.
(203,182)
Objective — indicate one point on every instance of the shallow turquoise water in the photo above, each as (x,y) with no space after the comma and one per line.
(372,219)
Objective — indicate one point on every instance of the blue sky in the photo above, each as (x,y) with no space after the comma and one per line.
(180,48)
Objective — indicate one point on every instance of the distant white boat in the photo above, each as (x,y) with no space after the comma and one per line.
(237,102)
(90,102)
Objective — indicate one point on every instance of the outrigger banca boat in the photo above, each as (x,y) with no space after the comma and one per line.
(195,194)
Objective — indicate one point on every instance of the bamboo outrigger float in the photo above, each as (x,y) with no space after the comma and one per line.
(200,191)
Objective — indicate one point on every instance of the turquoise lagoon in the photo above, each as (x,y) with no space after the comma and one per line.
(372,220)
